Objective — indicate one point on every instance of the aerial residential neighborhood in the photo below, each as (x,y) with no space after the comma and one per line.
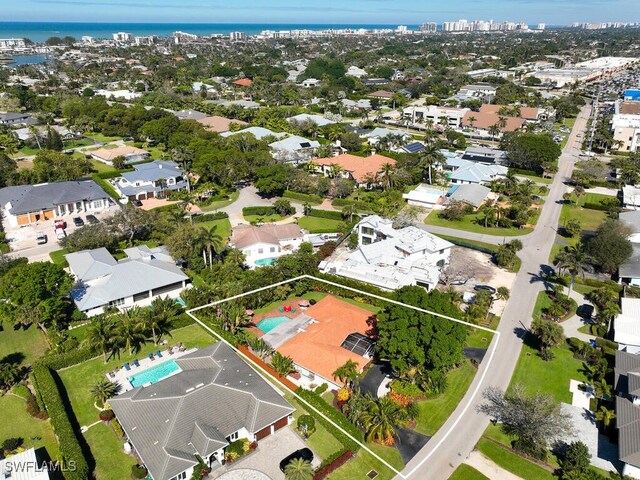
(352,242)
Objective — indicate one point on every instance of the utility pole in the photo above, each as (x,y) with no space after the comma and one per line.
(594,118)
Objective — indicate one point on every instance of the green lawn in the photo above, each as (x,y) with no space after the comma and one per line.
(434,412)
(79,378)
(322,442)
(57,257)
(107,450)
(589,219)
(552,376)
(465,472)
(480,338)
(278,303)
(21,346)
(512,462)
(233,196)
(320,225)
(16,422)
(77,143)
(364,462)
(469,224)
(26,152)
(543,301)
(102,167)
(223,227)
(535,178)
(99,137)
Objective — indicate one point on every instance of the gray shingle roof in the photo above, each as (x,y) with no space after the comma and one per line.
(473,194)
(631,267)
(628,422)
(153,171)
(45,196)
(215,395)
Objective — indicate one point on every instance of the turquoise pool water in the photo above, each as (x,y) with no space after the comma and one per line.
(154,374)
(265,261)
(270,323)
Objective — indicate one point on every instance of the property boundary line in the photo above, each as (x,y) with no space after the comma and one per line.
(263,373)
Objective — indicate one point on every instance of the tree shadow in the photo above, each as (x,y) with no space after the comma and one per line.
(544,276)
(15,358)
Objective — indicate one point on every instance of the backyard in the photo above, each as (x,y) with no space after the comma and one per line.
(473,223)
(320,225)
(112,463)
(21,346)
(223,227)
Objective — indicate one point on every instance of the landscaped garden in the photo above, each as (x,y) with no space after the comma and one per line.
(473,222)
(321,225)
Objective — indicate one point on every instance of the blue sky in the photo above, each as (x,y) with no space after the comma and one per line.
(318,11)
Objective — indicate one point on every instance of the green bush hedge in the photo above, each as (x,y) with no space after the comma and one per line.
(330,214)
(343,202)
(303,197)
(261,211)
(335,416)
(106,186)
(209,217)
(71,449)
(347,282)
(64,360)
(322,388)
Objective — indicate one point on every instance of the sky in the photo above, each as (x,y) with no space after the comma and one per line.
(556,12)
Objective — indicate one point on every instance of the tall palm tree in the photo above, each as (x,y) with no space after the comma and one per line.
(605,416)
(349,211)
(103,390)
(100,336)
(494,131)
(335,170)
(129,331)
(347,373)
(386,175)
(573,261)
(159,315)
(380,420)
(211,242)
(472,120)
(430,157)
(298,469)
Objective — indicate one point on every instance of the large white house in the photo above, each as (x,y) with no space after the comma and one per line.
(450,117)
(390,258)
(149,180)
(103,282)
(262,245)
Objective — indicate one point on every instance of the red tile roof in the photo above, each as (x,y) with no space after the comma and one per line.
(244,82)
(360,168)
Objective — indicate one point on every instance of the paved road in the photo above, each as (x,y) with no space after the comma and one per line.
(39,253)
(453,443)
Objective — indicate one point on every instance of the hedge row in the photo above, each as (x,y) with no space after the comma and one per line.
(330,214)
(596,206)
(106,186)
(347,282)
(332,463)
(462,243)
(209,217)
(73,456)
(343,202)
(303,197)
(335,416)
(262,211)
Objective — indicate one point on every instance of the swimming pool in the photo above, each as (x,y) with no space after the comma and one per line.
(265,261)
(155,373)
(270,323)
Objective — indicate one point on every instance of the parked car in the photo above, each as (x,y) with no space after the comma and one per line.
(92,219)
(303,453)
(78,222)
(59,223)
(585,311)
(41,238)
(488,288)
(137,203)
(60,233)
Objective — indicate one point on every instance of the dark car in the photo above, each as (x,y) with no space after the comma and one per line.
(78,222)
(585,311)
(136,203)
(487,288)
(303,453)
(92,219)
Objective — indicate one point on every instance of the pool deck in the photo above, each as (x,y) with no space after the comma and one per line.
(293,303)
(121,377)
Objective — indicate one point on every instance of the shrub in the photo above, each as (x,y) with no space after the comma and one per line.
(400,399)
(11,444)
(33,408)
(321,388)
(332,463)
(209,217)
(238,448)
(138,471)
(406,388)
(117,428)
(330,214)
(343,394)
(303,197)
(260,211)
(107,415)
(306,425)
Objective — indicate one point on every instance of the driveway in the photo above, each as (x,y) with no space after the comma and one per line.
(409,442)
(374,377)
(266,458)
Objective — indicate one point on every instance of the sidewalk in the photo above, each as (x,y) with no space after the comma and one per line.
(488,467)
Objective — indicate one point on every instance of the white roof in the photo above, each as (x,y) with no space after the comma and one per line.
(23,466)
(258,132)
(627,324)
(317,119)
(424,194)
(294,143)
(631,195)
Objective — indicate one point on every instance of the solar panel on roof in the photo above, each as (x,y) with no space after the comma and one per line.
(414,147)
(358,344)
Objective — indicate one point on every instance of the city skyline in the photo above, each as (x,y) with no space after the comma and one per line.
(557,12)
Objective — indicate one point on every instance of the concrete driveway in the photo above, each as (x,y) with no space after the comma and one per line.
(266,458)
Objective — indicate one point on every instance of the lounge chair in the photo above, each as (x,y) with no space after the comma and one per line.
(136,363)
(293,310)
(158,354)
(151,357)
(281,309)
(127,366)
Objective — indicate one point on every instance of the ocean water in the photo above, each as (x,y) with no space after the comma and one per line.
(41,31)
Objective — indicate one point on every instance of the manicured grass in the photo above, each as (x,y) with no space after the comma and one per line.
(552,377)
(469,224)
(543,301)
(589,219)
(465,472)
(80,332)
(21,346)
(106,186)
(99,137)
(535,178)
(57,257)
(233,196)
(488,246)
(102,167)
(322,442)
(434,412)
(77,143)
(16,422)
(597,198)
(320,225)
(79,378)
(278,303)
(512,462)
(27,152)
(223,227)
(264,218)
(364,462)
(107,450)
(480,338)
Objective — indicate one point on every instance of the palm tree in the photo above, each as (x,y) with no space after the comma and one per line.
(380,419)
(103,390)
(386,175)
(334,170)
(281,364)
(605,416)
(472,120)
(494,131)
(430,157)
(99,336)
(159,315)
(573,261)
(260,347)
(298,469)
(211,242)
(347,373)
(129,332)
(349,211)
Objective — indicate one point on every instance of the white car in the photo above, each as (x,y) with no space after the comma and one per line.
(60,233)
(41,238)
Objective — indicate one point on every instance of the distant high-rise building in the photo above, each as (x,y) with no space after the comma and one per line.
(237,36)
(541,26)
(430,27)
(148,40)
(122,37)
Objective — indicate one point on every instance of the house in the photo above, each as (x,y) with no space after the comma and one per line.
(390,258)
(626,131)
(424,195)
(530,114)
(24,465)
(213,400)
(151,180)
(131,154)
(190,115)
(356,72)
(305,117)
(262,245)
(631,197)
(373,82)
(480,90)
(627,386)
(12,118)
(379,133)
(413,147)
(485,155)
(219,124)
(362,170)
(310,82)
(103,282)
(325,336)
(465,171)
(381,94)
(450,117)
(243,82)
(482,121)
(258,132)
(626,325)
(26,204)
(470,193)
(293,149)
(629,271)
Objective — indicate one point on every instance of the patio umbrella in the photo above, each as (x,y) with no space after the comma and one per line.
(249,312)
(303,303)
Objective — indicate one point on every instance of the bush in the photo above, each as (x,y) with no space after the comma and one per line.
(332,463)
(259,211)
(321,388)
(11,444)
(343,202)
(406,388)
(209,217)
(330,214)
(33,408)
(117,428)
(106,415)
(138,471)
(306,425)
